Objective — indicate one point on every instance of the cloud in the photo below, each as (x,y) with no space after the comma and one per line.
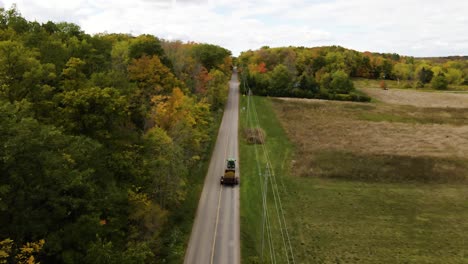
(418,27)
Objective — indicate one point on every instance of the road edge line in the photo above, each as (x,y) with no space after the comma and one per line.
(216,226)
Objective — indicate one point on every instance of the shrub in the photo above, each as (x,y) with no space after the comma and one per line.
(439,82)
(408,85)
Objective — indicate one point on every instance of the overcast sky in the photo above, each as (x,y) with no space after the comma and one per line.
(408,27)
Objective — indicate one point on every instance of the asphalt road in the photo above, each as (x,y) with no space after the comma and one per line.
(215,236)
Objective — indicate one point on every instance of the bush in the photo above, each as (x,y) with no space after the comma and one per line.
(439,82)
(408,85)
(359,97)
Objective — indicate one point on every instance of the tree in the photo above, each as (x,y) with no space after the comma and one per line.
(280,81)
(308,84)
(210,56)
(15,60)
(72,77)
(217,89)
(454,76)
(402,71)
(94,112)
(56,183)
(439,82)
(341,83)
(148,45)
(152,78)
(425,75)
(185,120)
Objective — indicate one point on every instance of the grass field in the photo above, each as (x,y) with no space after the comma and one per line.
(363,183)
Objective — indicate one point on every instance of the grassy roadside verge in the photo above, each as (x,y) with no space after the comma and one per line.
(280,150)
(176,239)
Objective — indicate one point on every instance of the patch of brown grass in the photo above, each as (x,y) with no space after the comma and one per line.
(254,135)
(420,99)
(388,132)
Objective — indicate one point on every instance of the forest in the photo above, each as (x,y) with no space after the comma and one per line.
(99,135)
(328,72)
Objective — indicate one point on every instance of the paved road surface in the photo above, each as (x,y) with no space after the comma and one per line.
(215,234)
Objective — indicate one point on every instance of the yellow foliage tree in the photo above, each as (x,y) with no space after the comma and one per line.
(26,252)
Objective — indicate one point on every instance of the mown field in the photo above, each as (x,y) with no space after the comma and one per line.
(362,183)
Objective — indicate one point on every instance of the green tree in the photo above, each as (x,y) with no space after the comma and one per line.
(454,76)
(210,56)
(94,112)
(306,86)
(15,60)
(281,80)
(147,45)
(55,184)
(439,82)
(402,71)
(425,75)
(341,83)
(73,77)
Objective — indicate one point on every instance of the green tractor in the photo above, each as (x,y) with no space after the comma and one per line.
(230,173)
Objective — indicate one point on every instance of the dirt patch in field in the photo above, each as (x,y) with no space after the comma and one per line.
(416,98)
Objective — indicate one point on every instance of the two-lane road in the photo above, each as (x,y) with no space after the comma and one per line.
(215,234)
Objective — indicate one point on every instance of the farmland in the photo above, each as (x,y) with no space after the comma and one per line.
(364,182)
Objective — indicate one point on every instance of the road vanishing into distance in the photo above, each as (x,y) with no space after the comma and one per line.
(215,236)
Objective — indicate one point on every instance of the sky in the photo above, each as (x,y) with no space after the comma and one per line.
(421,28)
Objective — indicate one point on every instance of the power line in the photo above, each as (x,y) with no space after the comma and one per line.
(275,190)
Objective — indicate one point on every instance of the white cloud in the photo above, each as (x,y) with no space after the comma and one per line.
(412,27)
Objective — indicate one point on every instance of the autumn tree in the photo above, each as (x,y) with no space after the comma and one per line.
(152,78)
(217,89)
(150,46)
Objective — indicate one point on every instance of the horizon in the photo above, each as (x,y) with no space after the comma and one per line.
(418,29)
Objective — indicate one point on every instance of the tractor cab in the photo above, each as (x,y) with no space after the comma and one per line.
(231,164)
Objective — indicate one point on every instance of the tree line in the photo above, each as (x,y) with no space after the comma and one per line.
(98,136)
(327,72)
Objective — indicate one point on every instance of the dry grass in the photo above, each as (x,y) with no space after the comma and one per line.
(254,135)
(420,99)
(408,142)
